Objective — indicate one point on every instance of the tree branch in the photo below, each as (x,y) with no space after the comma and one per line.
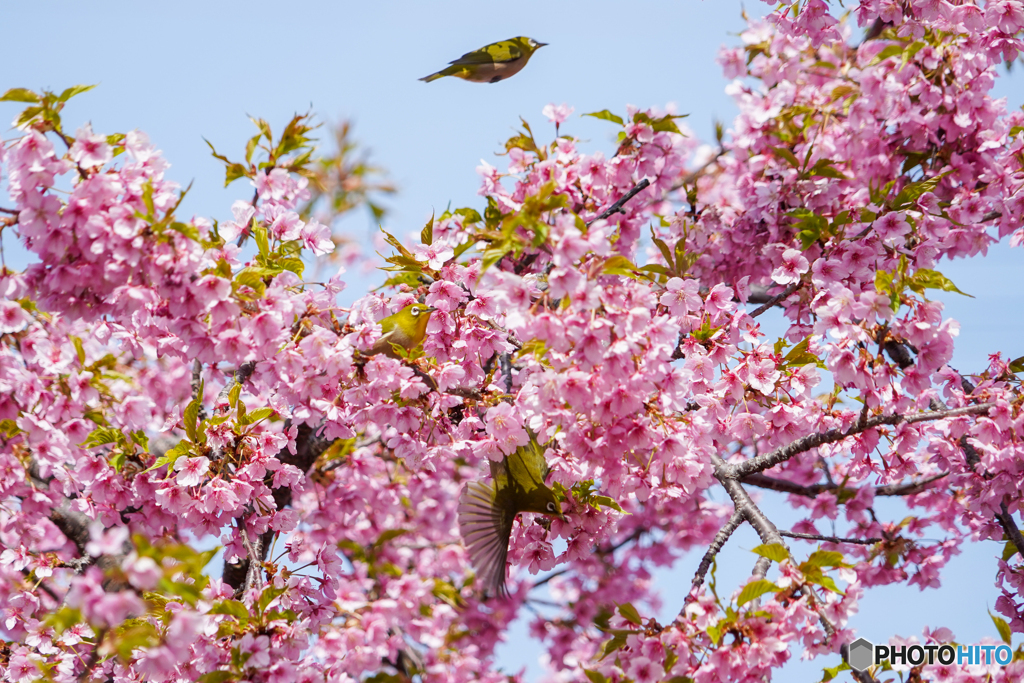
(746,507)
(716,545)
(810,491)
(784,453)
(776,299)
(617,206)
(831,539)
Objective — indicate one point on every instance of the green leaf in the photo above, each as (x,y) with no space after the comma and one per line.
(1010,549)
(262,240)
(469,216)
(256,415)
(270,594)
(799,356)
(19,95)
(662,124)
(103,436)
(606,501)
(1017,364)
(630,614)
(933,279)
(891,51)
(75,90)
(595,676)
(826,558)
(140,438)
(773,551)
(825,169)
(294,265)
(64,618)
(160,462)
(754,590)
(619,265)
(832,672)
(191,418)
(28,115)
(218,676)
(663,248)
(827,582)
(427,233)
(605,115)
(613,644)
(1002,627)
(913,191)
(788,155)
(132,635)
(388,535)
(232,608)
(79,349)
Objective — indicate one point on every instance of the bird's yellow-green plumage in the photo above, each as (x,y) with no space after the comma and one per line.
(491,63)
(488,509)
(405,329)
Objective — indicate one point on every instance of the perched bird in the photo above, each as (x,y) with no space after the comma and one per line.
(491,63)
(405,329)
(487,510)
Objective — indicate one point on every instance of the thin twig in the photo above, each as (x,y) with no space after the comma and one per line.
(776,299)
(813,490)
(831,539)
(693,175)
(617,206)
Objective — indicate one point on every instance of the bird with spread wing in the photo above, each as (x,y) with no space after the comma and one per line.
(491,63)
(488,509)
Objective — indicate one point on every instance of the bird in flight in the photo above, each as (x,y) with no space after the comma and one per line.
(491,63)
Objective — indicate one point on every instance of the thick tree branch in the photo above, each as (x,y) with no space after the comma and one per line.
(746,507)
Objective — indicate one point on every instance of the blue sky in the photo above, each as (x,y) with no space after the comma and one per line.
(187,70)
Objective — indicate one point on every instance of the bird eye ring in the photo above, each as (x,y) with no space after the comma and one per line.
(551,507)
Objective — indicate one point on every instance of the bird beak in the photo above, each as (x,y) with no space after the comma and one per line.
(431,309)
(539,45)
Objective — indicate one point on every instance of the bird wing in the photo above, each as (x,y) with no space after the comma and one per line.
(527,466)
(485,528)
(495,53)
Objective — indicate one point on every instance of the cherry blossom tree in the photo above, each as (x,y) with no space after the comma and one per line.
(173,383)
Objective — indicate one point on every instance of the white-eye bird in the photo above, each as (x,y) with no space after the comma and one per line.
(406,329)
(491,63)
(488,509)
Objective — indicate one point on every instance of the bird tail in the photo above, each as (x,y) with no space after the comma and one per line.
(432,77)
